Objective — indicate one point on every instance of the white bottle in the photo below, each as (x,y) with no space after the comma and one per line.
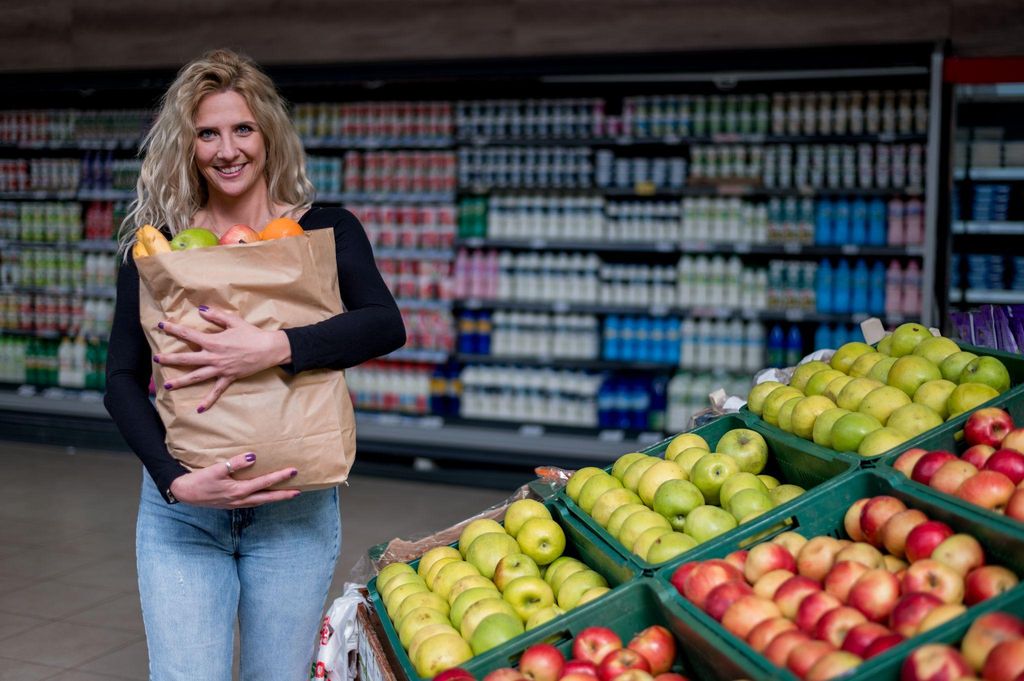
(753,355)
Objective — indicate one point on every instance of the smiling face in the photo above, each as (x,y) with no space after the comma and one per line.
(230,151)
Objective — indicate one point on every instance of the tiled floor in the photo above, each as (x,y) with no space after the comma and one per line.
(68,598)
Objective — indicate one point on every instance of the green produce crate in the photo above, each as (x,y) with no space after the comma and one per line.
(950,442)
(700,653)
(790,460)
(821,512)
(579,543)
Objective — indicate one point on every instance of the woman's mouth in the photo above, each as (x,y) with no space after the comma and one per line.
(229,172)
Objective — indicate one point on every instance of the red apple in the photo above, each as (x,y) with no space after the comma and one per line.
(238,234)
(832,666)
(813,608)
(896,529)
(875,594)
(706,576)
(593,643)
(978,455)
(951,475)
(577,676)
(1009,462)
(765,632)
(782,645)
(987,426)
(1015,507)
(746,613)
(906,461)
(851,521)
(770,583)
(579,667)
(988,489)
(621,660)
(1014,440)
(835,624)
(842,577)
(863,553)
(454,673)
(1005,662)
(910,610)
(765,558)
(504,674)
(923,539)
(962,552)
(792,591)
(931,576)
(881,644)
(986,632)
(680,574)
(987,582)
(934,662)
(635,675)
(793,541)
(894,564)
(926,466)
(737,558)
(861,636)
(876,512)
(723,595)
(542,662)
(670,676)
(817,557)
(940,616)
(803,657)
(657,645)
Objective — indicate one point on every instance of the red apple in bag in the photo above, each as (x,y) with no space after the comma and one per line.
(987,427)
(238,234)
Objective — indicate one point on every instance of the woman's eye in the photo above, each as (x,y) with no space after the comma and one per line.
(244,129)
(206,134)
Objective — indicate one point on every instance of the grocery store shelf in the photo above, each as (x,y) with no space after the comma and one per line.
(40,195)
(413,253)
(670,140)
(89,246)
(92,291)
(106,194)
(345,143)
(978,295)
(1015,173)
(385,197)
(722,188)
(419,356)
(416,304)
(569,363)
(995,92)
(74,145)
(1006,228)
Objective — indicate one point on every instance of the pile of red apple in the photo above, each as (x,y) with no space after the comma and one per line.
(989,473)
(993,647)
(821,606)
(598,654)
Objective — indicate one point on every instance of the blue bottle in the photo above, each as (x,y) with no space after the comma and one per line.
(841,302)
(658,404)
(776,346)
(823,223)
(623,405)
(641,404)
(823,337)
(859,223)
(610,351)
(861,280)
(643,340)
(794,346)
(877,228)
(841,223)
(876,287)
(823,287)
(605,405)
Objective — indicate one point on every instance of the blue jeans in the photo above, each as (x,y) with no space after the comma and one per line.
(200,569)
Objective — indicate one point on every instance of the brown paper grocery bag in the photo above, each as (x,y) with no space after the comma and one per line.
(305,420)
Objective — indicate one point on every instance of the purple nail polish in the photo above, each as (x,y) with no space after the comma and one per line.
(200,410)
(160,326)
(167,386)
(203,308)
(156,359)
(250,457)
(294,473)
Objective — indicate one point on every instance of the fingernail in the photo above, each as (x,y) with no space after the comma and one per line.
(250,457)
(167,386)
(156,359)
(294,473)
(160,326)
(203,308)
(201,410)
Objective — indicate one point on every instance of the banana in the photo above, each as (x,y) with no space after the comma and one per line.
(151,242)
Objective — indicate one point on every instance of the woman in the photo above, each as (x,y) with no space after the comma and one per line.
(212,549)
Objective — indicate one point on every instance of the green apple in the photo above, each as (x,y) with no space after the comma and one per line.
(906,338)
(542,539)
(987,370)
(643,543)
(439,653)
(477,527)
(653,477)
(426,632)
(738,482)
(675,499)
(592,594)
(494,631)
(487,549)
(747,447)
(834,387)
(880,441)
(638,523)
(436,568)
(770,482)
(684,441)
(527,595)
(619,516)
(862,365)
(855,391)
(850,430)
(636,470)
(880,372)
(416,620)
(453,572)
(578,479)
(784,493)
(470,582)
(711,472)
(954,365)
(398,595)
(428,558)
(820,381)
(424,599)
(749,501)
(910,372)
(967,396)
(622,463)
(521,510)
(668,546)
(611,500)
(564,574)
(543,615)
(847,353)
(806,412)
(480,611)
(595,487)
(560,563)
(707,522)
(514,566)
(390,571)
(573,588)
(936,349)
(884,346)
(773,403)
(466,599)
(882,402)
(914,419)
(803,372)
(398,580)
(196,237)
(935,395)
(687,458)
(758,394)
(822,431)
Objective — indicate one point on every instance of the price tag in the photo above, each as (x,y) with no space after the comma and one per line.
(531,430)
(645,188)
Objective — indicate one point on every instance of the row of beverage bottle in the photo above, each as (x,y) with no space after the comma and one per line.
(688,393)
(69,362)
(987,271)
(95,171)
(37,267)
(786,344)
(59,221)
(430,330)
(325,172)
(48,313)
(528,334)
(407,226)
(659,173)
(415,279)
(859,289)
(530,395)
(80,126)
(399,172)
(366,122)
(562,167)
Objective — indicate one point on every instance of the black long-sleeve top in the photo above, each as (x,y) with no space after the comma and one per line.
(370,326)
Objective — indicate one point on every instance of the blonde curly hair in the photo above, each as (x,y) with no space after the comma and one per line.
(170,188)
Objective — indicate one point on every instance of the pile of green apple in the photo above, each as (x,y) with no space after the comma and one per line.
(868,400)
(498,582)
(659,508)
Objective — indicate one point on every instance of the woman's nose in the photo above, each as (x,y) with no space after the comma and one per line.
(227,148)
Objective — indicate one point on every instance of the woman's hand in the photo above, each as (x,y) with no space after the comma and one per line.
(238,350)
(213,486)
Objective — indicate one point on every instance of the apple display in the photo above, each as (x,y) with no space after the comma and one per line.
(684,441)
(542,539)
(782,645)
(436,568)
(835,386)
(950,475)
(641,521)
(835,624)
(1015,506)
(894,565)
(792,592)
(426,633)
(846,353)
(881,644)
(967,396)
(803,657)
(581,667)
(575,585)
(910,372)
(493,631)
(936,349)
(655,476)
(863,553)
(987,582)
(850,430)
(934,661)
(769,583)
(812,608)
(591,594)
(806,413)
(985,370)
(841,578)
(875,594)
(739,481)
(480,526)
(882,402)
(880,372)
(898,527)
(765,558)
(749,503)
(961,552)
(578,479)
(390,571)
(704,577)
(833,665)
(593,643)
(862,635)
(977,455)
(817,556)
(881,441)
(803,373)
(953,366)
(542,662)
(668,546)
(423,599)
(906,337)
(928,464)
(599,484)
(914,419)
(620,464)
(935,395)
(724,595)
(793,541)
(707,522)
(1009,462)
(738,558)
(527,595)
(646,540)
(480,611)
(986,633)
(453,674)
(747,612)
(418,619)
(906,461)
(910,610)
(676,499)
(657,645)
(820,381)
(1014,440)
(931,576)
(987,427)
(619,661)
(620,515)
(773,403)
(876,513)
(784,493)
(851,520)
(765,632)
(439,653)
(521,510)
(988,489)
(610,501)
(940,616)
(923,539)
(1005,662)
(821,432)
(747,447)
(487,549)
(513,566)
(863,364)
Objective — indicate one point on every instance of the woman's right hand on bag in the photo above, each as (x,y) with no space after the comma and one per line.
(214,486)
